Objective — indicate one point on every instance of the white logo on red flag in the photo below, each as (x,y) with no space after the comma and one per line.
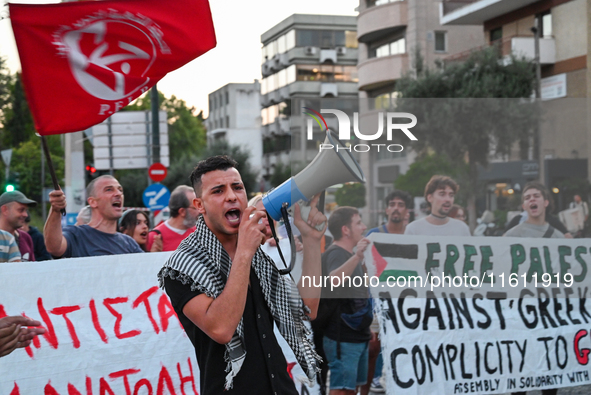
(104,65)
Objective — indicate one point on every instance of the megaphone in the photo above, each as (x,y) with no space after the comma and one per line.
(334,165)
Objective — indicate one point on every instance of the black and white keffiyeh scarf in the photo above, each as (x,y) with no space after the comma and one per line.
(201,261)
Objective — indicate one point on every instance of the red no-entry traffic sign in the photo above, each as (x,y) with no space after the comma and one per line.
(157,172)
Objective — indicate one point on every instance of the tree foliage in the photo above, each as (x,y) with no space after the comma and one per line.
(421,171)
(352,194)
(281,172)
(135,181)
(17,132)
(472,125)
(240,155)
(6,81)
(26,161)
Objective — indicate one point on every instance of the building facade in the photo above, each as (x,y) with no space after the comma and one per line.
(564,33)
(235,115)
(305,59)
(391,35)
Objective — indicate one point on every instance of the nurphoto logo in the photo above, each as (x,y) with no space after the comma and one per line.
(344,128)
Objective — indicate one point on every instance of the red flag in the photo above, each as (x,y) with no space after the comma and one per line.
(83,61)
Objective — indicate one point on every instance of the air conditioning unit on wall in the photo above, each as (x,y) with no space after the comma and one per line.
(310,50)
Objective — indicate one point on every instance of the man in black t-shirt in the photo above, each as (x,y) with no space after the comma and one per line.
(227,293)
(347,334)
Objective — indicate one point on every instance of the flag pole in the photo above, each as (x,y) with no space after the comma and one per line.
(56,185)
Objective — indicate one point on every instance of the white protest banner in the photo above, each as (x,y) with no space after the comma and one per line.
(479,337)
(110,329)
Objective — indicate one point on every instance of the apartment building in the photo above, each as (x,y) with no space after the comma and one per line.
(305,59)
(390,34)
(564,40)
(235,115)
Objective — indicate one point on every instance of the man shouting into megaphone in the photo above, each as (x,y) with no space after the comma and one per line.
(227,293)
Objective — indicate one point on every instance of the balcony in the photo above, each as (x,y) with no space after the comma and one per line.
(377,72)
(519,46)
(380,21)
(525,46)
(296,55)
(476,12)
(309,88)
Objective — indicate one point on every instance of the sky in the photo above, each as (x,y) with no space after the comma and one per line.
(237,57)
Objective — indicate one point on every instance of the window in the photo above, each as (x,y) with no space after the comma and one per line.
(227,122)
(290,40)
(271,113)
(544,22)
(373,3)
(324,38)
(350,39)
(385,99)
(396,47)
(440,41)
(227,98)
(308,72)
(327,73)
(496,34)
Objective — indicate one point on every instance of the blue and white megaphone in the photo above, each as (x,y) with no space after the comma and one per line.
(331,166)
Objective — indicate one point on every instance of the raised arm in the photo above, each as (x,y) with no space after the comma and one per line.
(311,264)
(55,242)
(219,317)
(347,268)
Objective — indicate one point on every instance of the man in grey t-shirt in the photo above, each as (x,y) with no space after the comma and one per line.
(440,192)
(100,236)
(534,201)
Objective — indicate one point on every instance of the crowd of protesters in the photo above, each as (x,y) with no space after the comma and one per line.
(348,338)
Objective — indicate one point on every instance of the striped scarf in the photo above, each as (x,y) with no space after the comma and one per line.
(201,261)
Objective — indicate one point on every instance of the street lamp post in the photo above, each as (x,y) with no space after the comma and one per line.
(538,88)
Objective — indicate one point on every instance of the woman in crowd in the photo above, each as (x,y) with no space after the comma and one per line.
(458,213)
(136,223)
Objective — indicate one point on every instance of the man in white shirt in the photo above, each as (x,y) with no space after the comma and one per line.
(581,205)
(440,192)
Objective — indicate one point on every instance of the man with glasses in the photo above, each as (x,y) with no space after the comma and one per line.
(181,223)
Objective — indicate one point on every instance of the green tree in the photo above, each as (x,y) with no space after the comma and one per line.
(18,125)
(6,81)
(468,130)
(352,194)
(135,181)
(26,160)
(240,155)
(421,171)
(280,173)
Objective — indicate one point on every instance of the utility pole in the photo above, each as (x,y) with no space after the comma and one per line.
(536,143)
(155,125)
